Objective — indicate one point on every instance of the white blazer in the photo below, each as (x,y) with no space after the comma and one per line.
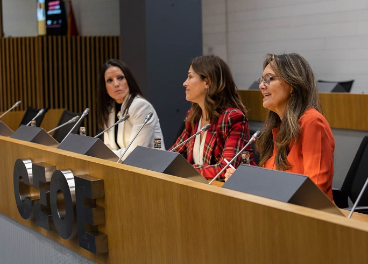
(138,111)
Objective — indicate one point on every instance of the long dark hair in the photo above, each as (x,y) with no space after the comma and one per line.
(105,102)
(296,71)
(222,91)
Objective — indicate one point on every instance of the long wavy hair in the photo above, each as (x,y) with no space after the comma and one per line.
(296,71)
(222,91)
(104,102)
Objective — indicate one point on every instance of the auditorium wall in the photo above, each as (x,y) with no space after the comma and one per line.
(93,17)
(332,35)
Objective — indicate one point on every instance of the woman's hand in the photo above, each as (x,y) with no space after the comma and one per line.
(229,172)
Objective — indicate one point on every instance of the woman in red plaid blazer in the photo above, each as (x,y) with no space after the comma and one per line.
(213,93)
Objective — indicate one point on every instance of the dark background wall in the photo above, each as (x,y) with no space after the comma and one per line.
(158,40)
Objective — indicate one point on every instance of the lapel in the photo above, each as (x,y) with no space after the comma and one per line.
(111,132)
(121,134)
(121,126)
(191,144)
(209,144)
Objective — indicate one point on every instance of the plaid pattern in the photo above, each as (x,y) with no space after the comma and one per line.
(224,140)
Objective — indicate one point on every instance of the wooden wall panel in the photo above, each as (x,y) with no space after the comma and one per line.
(54,72)
(342,110)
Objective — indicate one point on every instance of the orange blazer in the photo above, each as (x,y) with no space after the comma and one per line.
(313,154)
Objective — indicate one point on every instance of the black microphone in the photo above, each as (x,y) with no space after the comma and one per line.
(253,138)
(85,112)
(148,117)
(122,119)
(38,114)
(11,108)
(204,128)
(67,122)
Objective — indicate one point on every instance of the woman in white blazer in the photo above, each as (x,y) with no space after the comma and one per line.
(119,94)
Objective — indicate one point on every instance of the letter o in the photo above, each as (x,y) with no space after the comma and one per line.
(62,201)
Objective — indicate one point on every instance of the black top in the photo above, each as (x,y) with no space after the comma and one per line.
(117,110)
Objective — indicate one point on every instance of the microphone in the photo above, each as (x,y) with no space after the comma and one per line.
(85,112)
(253,138)
(122,119)
(38,114)
(67,122)
(11,108)
(204,128)
(148,117)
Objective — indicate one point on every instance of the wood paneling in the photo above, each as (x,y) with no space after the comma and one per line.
(342,110)
(12,119)
(54,72)
(51,119)
(158,218)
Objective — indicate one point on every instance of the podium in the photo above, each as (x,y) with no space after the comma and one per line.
(5,130)
(35,135)
(89,146)
(163,161)
(282,186)
(156,218)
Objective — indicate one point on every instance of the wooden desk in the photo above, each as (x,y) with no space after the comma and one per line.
(356,215)
(157,218)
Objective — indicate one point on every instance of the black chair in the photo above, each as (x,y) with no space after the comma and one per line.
(30,114)
(354,181)
(346,84)
(60,133)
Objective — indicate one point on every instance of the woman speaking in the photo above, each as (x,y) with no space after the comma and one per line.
(296,136)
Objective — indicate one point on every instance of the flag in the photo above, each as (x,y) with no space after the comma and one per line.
(72,25)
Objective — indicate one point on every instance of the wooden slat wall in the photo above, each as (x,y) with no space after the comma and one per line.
(342,110)
(54,72)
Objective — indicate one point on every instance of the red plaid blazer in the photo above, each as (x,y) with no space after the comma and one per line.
(224,140)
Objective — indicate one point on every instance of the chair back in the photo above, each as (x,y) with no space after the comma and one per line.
(30,114)
(357,175)
(60,133)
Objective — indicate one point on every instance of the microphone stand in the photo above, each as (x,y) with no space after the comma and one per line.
(15,105)
(123,118)
(67,122)
(38,114)
(358,199)
(253,138)
(85,112)
(204,128)
(148,117)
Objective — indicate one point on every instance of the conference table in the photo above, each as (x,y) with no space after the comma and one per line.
(151,217)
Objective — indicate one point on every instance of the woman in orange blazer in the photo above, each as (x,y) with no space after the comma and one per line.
(296,136)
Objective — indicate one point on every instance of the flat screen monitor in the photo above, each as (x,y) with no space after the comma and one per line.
(56,20)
